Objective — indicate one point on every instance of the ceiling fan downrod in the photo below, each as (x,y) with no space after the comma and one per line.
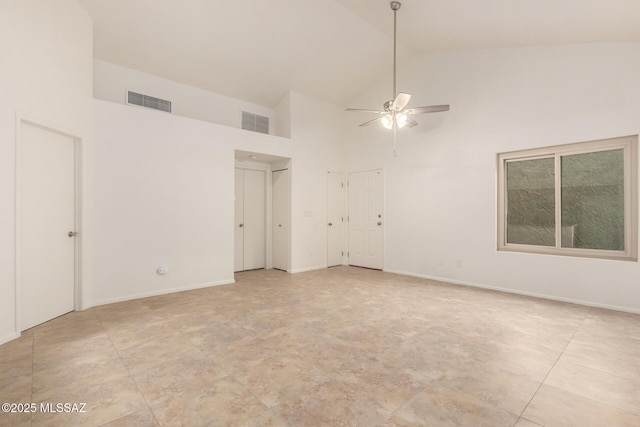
(395,5)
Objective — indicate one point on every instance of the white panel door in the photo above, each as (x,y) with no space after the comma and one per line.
(280,219)
(366,235)
(47,216)
(254,219)
(336,215)
(238,264)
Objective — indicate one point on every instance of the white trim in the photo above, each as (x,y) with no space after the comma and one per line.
(517,292)
(10,337)
(80,243)
(305,269)
(162,292)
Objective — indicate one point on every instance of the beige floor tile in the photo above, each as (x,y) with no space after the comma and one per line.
(125,338)
(614,323)
(15,390)
(278,379)
(379,380)
(267,419)
(491,383)
(79,373)
(596,385)
(554,407)
(224,403)
(16,357)
(76,323)
(623,362)
(142,418)
(442,407)
(523,422)
(53,354)
(193,372)
(155,353)
(332,403)
(615,355)
(105,402)
(345,346)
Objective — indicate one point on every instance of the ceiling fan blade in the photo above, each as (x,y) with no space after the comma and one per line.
(411,123)
(370,122)
(427,109)
(401,101)
(366,111)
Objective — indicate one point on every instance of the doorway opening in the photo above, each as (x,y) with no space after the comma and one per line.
(365,193)
(48,223)
(262,217)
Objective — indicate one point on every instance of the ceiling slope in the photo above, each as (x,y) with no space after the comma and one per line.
(258,50)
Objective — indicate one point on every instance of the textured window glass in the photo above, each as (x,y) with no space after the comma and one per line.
(531,202)
(593,200)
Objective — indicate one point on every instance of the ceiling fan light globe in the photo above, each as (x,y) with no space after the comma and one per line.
(387,121)
(401,119)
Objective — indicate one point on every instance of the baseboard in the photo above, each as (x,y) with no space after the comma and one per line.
(302,270)
(9,337)
(517,292)
(161,292)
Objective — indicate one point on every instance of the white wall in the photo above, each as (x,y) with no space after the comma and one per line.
(441,189)
(112,81)
(163,193)
(317,128)
(46,76)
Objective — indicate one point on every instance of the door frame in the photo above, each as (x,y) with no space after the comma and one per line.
(266,168)
(384,228)
(80,242)
(287,167)
(345,213)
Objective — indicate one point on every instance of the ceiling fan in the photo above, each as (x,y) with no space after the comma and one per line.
(395,115)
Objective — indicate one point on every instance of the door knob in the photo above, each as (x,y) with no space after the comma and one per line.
(240,225)
(72,234)
(379,223)
(330,224)
(279,225)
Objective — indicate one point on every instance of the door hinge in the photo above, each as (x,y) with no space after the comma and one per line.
(342,253)
(342,184)
(347,254)
(341,219)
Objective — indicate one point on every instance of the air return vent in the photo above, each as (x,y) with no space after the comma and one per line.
(148,101)
(255,122)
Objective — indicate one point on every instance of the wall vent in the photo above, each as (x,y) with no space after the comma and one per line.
(255,123)
(147,101)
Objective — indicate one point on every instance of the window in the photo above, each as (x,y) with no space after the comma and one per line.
(575,199)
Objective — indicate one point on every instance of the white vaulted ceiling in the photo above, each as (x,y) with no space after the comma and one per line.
(258,50)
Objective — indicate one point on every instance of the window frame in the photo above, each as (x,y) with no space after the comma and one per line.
(629,145)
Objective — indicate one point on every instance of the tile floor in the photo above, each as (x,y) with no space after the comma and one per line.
(338,347)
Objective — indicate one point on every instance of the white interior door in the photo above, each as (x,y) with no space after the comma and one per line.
(336,214)
(254,219)
(238,264)
(47,216)
(280,219)
(366,231)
